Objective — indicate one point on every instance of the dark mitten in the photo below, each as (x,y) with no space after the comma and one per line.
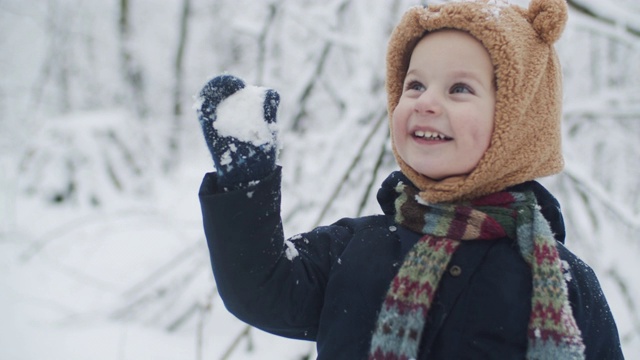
(239,126)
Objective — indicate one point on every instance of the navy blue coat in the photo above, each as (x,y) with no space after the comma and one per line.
(330,289)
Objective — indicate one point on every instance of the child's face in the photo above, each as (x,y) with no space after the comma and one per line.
(443,122)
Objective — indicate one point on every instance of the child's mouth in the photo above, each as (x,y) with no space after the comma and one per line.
(429,135)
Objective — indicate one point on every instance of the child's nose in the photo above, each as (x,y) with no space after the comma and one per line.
(428,103)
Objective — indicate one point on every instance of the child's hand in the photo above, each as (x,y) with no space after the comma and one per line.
(239,126)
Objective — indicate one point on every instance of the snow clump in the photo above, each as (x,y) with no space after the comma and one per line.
(241,116)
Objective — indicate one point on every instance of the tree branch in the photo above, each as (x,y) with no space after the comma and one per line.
(374,176)
(351,167)
(624,215)
(245,333)
(592,11)
(178,68)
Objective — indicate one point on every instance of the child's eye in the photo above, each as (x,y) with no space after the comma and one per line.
(414,85)
(461,89)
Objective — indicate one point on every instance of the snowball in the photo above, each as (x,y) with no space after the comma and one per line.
(241,116)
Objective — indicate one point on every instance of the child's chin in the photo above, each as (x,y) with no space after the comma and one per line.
(442,176)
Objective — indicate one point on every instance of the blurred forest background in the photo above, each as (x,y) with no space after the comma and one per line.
(101,157)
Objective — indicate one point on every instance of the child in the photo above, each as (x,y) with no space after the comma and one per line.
(468,259)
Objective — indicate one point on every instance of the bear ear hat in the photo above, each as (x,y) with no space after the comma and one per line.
(548,18)
(526,141)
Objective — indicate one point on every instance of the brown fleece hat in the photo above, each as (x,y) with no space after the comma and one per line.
(525,143)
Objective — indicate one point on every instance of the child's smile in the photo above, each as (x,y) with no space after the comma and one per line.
(430,136)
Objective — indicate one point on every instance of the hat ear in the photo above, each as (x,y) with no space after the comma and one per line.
(548,18)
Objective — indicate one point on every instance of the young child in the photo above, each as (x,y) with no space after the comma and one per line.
(468,260)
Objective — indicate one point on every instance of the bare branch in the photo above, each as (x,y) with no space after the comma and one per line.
(262,42)
(629,300)
(594,12)
(245,333)
(374,175)
(594,190)
(131,70)
(178,68)
(352,166)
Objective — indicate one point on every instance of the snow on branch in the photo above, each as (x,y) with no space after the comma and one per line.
(607,12)
(624,214)
(86,159)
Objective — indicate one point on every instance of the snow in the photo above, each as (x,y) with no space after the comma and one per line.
(241,116)
(291,252)
(118,268)
(290,248)
(73,283)
(566,271)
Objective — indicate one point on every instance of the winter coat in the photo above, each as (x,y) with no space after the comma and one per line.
(328,285)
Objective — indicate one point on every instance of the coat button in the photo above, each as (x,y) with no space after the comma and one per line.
(455,270)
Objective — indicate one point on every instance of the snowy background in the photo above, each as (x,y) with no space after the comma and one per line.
(102,254)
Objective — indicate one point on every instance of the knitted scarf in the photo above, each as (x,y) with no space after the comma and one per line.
(552,330)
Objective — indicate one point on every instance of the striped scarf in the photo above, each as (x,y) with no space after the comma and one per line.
(552,330)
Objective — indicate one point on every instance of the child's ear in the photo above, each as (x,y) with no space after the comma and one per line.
(548,18)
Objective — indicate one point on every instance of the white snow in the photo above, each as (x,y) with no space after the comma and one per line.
(226,158)
(291,252)
(241,116)
(565,270)
(130,278)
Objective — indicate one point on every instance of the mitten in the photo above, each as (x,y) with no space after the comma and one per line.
(239,126)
